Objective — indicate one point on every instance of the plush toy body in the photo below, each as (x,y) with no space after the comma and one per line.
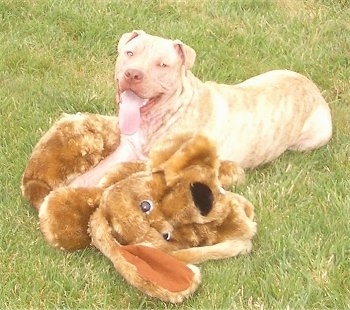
(149,218)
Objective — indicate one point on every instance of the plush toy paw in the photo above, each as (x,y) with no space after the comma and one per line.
(74,144)
(65,214)
(230,174)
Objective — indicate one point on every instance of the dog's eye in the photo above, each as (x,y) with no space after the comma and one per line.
(146,206)
(167,236)
(129,53)
(163,65)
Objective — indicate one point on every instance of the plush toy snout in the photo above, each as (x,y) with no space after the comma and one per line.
(149,269)
(129,213)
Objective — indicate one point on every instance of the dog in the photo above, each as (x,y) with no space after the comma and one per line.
(252,122)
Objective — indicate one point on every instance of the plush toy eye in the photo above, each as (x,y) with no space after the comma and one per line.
(146,206)
(167,236)
(129,53)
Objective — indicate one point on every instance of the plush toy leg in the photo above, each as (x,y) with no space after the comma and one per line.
(225,249)
(74,144)
(150,270)
(34,191)
(64,216)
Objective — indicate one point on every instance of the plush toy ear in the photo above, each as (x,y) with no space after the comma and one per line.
(175,155)
(202,196)
(187,53)
(126,37)
(150,270)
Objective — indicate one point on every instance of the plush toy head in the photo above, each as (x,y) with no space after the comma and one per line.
(176,205)
(179,203)
(151,219)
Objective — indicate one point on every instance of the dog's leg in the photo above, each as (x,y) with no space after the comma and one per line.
(125,152)
(316,131)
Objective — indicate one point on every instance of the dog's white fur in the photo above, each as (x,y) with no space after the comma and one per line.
(252,122)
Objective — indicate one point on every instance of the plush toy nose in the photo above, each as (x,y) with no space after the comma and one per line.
(167,236)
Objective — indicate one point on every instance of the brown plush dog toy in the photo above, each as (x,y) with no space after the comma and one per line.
(151,219)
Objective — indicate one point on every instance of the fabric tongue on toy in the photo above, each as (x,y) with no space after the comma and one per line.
(160,268)
(129,112)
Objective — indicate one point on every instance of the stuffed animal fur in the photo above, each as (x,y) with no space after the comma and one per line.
(152,219)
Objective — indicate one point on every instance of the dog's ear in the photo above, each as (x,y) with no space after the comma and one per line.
(196,150)
(126,37)
(187,53)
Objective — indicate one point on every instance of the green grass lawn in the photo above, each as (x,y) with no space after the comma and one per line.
(58,56)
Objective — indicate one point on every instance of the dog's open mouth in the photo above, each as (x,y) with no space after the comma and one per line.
(148,104)
(130,108)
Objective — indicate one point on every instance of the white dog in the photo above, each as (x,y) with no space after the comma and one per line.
(251,123)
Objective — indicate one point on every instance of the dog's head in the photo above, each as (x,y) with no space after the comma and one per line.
(150,68)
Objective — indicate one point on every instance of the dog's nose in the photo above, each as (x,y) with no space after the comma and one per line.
(134,74)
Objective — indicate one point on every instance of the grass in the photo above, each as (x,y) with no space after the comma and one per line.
(58,56)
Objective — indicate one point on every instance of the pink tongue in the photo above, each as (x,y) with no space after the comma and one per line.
(129,112)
